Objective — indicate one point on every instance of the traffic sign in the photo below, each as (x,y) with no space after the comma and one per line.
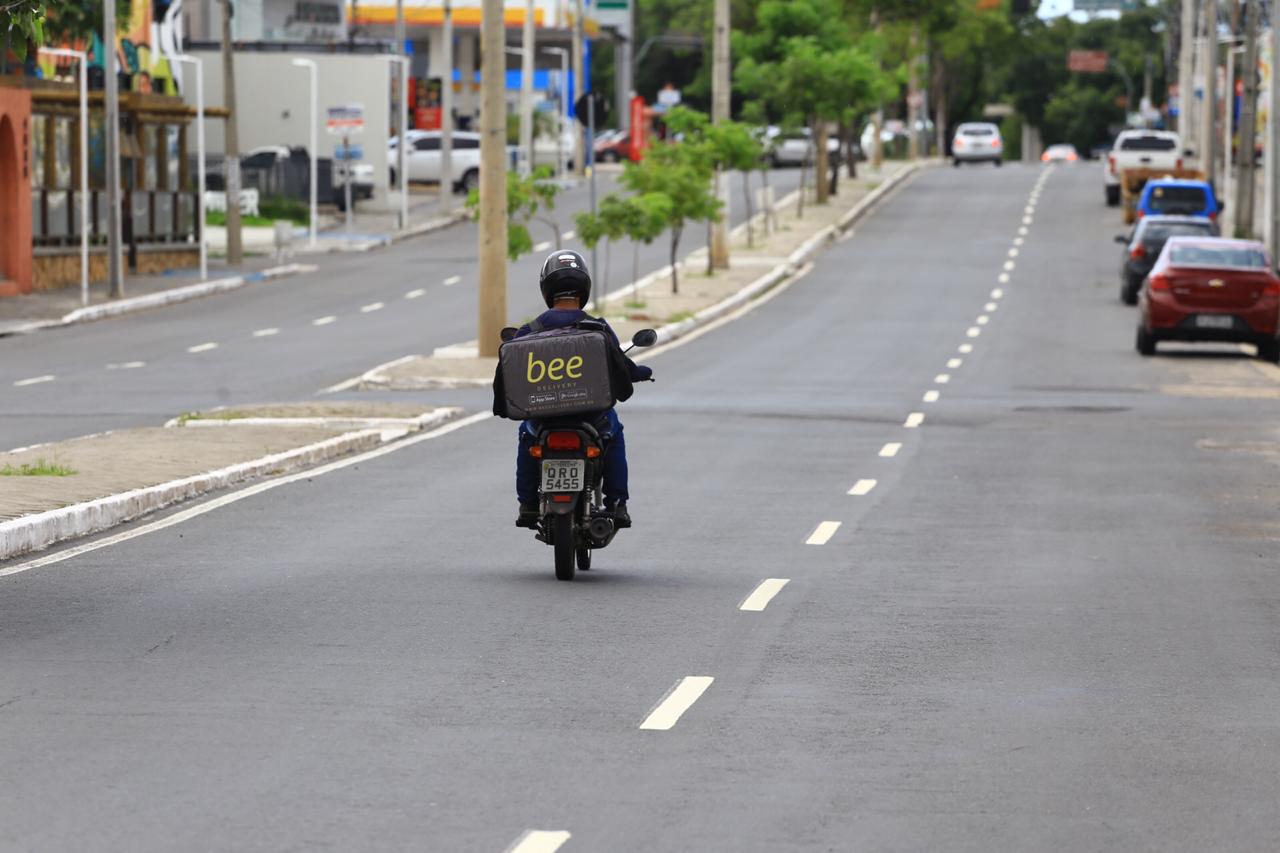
(1087,61)
(345,120)
(348,152)
(602,108)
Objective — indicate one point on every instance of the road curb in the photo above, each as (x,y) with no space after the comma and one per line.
(38,531)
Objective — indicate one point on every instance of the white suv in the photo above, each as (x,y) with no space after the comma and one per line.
(423,158)
(977,142)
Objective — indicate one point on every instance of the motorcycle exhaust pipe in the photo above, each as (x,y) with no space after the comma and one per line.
(600,529)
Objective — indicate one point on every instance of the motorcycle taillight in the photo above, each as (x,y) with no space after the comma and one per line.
(564,441)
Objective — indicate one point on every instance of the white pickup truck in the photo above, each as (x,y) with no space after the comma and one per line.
(1140,149)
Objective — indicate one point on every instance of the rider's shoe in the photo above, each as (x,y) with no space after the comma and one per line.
(621,518)
(528,516)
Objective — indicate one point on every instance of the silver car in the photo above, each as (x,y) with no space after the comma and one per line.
(977,142)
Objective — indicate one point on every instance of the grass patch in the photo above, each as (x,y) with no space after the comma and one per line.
(270,209)
(40,468)
(680,317)
(636,304)
(228,415)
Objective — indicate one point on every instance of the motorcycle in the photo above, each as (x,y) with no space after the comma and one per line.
(573,519)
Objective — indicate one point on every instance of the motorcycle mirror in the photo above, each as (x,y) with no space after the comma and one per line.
(508,333)
(644,338)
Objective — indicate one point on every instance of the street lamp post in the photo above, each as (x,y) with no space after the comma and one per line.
(200,174)
(82,59)
(402,177)
(313,72)
(564,106)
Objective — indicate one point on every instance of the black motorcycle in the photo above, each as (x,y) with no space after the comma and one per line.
(574,520)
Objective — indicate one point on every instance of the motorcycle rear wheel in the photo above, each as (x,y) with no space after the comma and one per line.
(562,540)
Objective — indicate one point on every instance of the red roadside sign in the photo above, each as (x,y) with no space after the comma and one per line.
(1087,61)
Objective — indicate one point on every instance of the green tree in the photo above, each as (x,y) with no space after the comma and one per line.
(23,22)
(528,200)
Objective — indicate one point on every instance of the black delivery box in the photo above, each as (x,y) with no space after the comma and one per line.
(553,374)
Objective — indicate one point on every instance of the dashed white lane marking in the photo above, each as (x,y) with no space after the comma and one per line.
(973,331)
(913,420)
(35,380)
(990,306)
(997,293)
(1018,241)
(1013,253)
(930,396)
(1009,265)
(822,534)
(569,235)
(965,349)
(543,246)
(942,378)
(203,347)
(539,841)
(128,365)
(452,280)
(953,363)
(680,699)
(763,594)
(1026,220)
(266,333)
(1003,278)
(1031,208)
(891,449)
(324,321)
(862,487)
(1022,230)
(414,294)
(983,319)
(372,306)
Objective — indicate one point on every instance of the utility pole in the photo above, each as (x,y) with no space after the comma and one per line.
(1248,120)
(446,112)
(579,147)
(1186,82)
(115,280)
(1209,68)
(913,93)
(402,158)
(720,106)
(231,162)
(493,178)
(1273,147)
(526,91)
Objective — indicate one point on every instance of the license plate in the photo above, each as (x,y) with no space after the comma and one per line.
(562,475)
(1215,321)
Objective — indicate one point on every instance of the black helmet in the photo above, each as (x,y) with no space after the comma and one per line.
(565,274)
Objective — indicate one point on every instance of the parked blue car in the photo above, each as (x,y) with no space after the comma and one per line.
(1178,197)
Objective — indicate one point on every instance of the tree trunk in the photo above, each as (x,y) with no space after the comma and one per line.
(635,262)
(675,267)
(608,254)
(711,262)
(940,106)
(746,195)
(800,194)
(820,161)
(847,131)
(770,215)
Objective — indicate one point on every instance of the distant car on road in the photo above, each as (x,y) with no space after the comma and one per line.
(795,148)
(1211,289)
(1139,149)
(1060,154)
(1145,243)
(977,142)
(265,158)
(1175,197)
(613,146)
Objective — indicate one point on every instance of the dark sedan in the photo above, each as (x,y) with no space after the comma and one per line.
(1144,244)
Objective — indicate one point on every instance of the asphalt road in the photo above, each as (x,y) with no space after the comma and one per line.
(1049,624)
(139,370)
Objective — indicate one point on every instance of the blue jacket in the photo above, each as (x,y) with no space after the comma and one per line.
(555,318)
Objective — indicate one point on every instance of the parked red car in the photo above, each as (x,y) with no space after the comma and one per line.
(1211,289)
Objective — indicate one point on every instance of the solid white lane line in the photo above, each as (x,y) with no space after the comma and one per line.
(966,348)
(324,321)
(35,380)
(822,534)
(539,841)
(983,319)
(233,497)
(203,347)
(764,593)
(1003,278)
(997,293)
(973,332)
(543,246)
(891,449)
(1009,265)
(913,420)
(931,396)
(569,235)
(452,280)
(680,699)
(266,333)
(372,306)
(990,306)
(942,378)
(414,294)
(862,487)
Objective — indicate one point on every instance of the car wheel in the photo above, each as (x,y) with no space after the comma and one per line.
(998,163)
(471,180)
(956,163)
(1129,291)
(1269,351)
(609,157)
(1146,342)
(1113,196)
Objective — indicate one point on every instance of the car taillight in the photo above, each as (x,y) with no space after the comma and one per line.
(1158,282)
(1111,164)
(1071,157)
(1213,216)
(1271,288)
(564,441)
(1178,164)
(1044,158)
(1139,252)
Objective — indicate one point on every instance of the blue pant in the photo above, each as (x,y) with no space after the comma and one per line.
(528,474)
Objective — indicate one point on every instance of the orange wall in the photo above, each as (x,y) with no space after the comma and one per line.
(15,191)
